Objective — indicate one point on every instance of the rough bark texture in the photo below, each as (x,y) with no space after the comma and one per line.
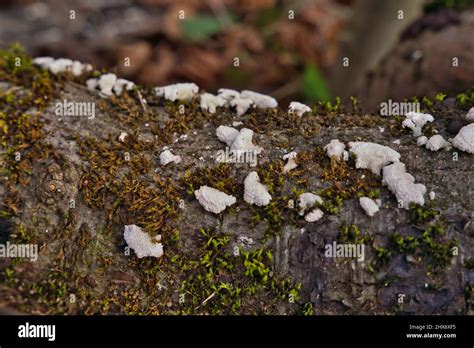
(82,251)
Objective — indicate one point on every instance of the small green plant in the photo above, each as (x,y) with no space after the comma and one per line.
(308,309)
(419,214)
(440,97)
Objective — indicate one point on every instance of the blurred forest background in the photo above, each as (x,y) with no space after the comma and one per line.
(291,59)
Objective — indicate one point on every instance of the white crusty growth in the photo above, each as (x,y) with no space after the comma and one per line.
(62,65)
(291,164)
(369,205)
(241,105)
(228,94)
(243,142)
(107,83)
(307,200)
(234,99)
(261,101)
(470,115)
(141,243)
(402,185)
(336,149)
(415,121)
(211,102)
(178,91)
(255,192)
(298,108)
(120,84)
(167,157)
(464,140)
(373,156)
(213,200)
(314,215)
(437,142)
(421,140)
(227,134)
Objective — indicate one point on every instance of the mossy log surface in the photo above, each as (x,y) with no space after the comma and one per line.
(425,253)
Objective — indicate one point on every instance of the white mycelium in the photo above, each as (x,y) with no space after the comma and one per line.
(298,108)
(141,243)
(464,140)
(178,91)
(415,121)
(373,156)
(213,200)
(369,205)
(402,184)
(336,149)
(255,192)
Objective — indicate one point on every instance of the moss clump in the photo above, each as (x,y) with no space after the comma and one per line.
(345,183)
(420,214)
(435,251)
(218,177)
(351,234)
(119,186)
(220,281)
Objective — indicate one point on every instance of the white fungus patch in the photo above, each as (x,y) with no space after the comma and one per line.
(307,200)
(255,192)
(464,140)
(402,185)
(314,215)
(373,156)
(369,205)
(178,91)
(243,142)
(120,84)
(437,142)
(421,141)
(92,84)
(167,157)
(107,83)
(432,195)
(228,94)
(298,108)
(470,115)
(237,123)
(211,102)
(122,136)
(61,65)
(213,200)
(415,121)
(336,149)
(141,243)
(241,105)
(261,101)
(291,164)
(43,62)
(227,134)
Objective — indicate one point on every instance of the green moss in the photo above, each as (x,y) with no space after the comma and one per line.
(218,281)
(433,248)
(351,234)
(440,97)
(420,214)
(218,177)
